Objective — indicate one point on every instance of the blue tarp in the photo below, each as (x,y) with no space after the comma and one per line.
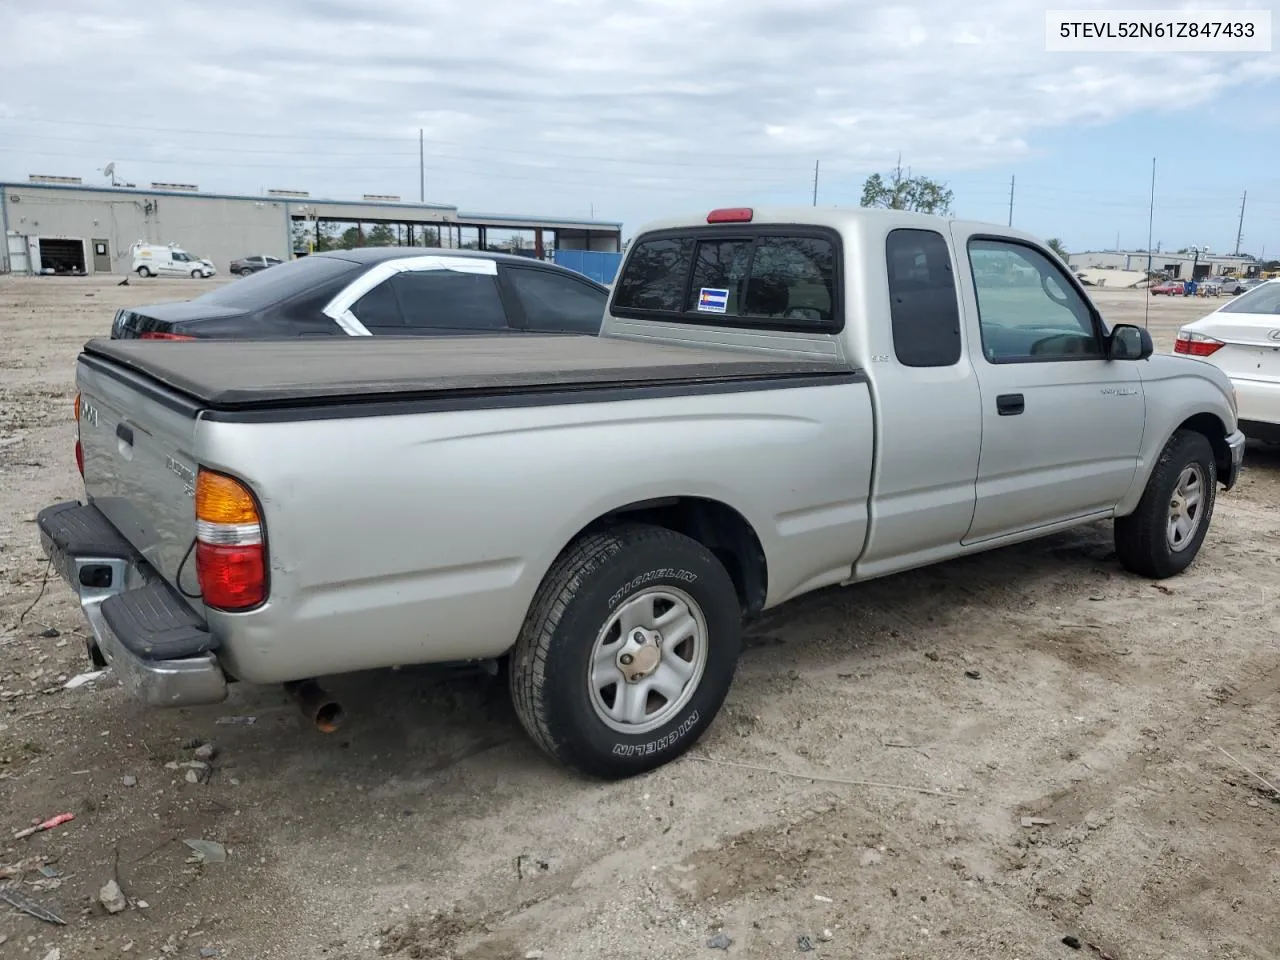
(596,264)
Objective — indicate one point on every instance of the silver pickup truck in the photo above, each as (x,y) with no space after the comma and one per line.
(779,400)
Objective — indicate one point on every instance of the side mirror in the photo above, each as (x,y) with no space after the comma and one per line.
(1128,342)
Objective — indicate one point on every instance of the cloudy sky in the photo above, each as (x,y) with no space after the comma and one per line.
(633,109)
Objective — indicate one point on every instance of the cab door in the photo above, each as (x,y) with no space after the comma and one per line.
(1061,423)
(928,405)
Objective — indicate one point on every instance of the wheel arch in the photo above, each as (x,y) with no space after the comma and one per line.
(717,526)
(1213,430)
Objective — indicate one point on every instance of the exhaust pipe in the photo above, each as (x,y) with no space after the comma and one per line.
(316,704)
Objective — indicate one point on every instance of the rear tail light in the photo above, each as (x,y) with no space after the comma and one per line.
(231,558)
(155,335)
(79,449)
(731,215)
(1192,344)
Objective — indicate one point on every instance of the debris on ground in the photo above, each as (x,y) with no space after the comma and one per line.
(206,752)
(210,952)
(931,655)
(29,907)
(129,781)
(81,679)
(235,721)
(48,633)
(47,825)
(112,897)
(533,955)
(804,944)
(1072,941)
(207,851)
(1036,822)
(973,674)
(826,936)
(720,942)
(870,858)
(54,954)
(821,899)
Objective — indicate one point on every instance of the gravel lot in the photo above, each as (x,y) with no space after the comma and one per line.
(859,795)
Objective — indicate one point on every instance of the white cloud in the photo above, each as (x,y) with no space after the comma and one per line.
(639,107)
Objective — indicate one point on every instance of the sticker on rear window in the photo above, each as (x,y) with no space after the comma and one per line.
(712,300)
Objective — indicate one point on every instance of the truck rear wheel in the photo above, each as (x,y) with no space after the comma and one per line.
(627,652)
(1163,535)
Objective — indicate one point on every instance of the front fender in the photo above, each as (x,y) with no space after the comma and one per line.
(1180,393)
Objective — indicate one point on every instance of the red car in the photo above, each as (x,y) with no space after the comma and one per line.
(1173,288)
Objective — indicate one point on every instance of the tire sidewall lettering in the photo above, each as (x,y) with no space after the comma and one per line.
(622,749)
(645,579)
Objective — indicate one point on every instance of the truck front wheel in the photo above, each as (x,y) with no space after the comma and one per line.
(627,652)
(1163,535)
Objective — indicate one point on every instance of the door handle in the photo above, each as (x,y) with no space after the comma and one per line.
(1010,404)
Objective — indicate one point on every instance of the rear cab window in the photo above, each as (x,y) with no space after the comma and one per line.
(769,276)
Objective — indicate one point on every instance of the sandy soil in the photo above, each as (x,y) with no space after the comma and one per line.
(429,826)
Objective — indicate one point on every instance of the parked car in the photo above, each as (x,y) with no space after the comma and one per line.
(247,265)
(1169,288)
(780,400)
(1242,338)
(382,291)
(155,260)
(1232,287)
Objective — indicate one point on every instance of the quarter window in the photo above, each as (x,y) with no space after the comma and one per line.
(558,304)
(922,299)
(1028,311)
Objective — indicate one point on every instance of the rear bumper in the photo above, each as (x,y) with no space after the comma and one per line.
(147,633)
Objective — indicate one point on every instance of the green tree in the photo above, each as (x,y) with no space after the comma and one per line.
(380,236)
(1057,247)
(902,191)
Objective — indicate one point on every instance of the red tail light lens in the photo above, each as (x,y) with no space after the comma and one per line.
(154,335)
(79,449)
(731,215)
(231,578)
(1192,344)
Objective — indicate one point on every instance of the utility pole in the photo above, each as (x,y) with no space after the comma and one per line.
(1151,216)
(815,181)
(1012,180)
(1240,229)
(422,170)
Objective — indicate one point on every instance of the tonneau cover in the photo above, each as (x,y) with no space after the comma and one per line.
(247,374)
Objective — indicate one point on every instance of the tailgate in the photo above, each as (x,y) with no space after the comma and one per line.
(138,467)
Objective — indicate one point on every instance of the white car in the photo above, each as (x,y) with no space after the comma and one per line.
(152,259)
(1242,338)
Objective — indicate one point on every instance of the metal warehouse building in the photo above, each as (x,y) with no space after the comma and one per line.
(57,224)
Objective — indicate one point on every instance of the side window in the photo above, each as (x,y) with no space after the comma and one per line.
(719,269)
(378,308)
(553,303)
(1028,311)
(654,276)
(792,278)
(448,299)
(923,308)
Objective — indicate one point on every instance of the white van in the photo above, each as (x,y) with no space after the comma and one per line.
(153,260)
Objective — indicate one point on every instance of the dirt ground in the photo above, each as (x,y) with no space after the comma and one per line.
(859,796)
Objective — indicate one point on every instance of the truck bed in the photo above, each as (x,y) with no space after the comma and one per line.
(235,375)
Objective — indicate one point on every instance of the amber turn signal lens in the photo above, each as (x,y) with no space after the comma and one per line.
(220,499)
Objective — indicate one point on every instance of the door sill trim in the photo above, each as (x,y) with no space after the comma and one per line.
(1028,533)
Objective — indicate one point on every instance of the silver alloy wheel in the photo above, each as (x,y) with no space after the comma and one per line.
(648,660)
(1186,507)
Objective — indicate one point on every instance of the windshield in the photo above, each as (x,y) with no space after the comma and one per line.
(280,283)
(1263,299)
